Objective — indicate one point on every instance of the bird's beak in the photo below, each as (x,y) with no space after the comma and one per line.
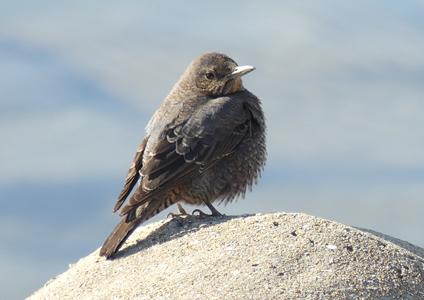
(240,71)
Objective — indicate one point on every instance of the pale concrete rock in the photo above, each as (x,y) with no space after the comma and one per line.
(270,256)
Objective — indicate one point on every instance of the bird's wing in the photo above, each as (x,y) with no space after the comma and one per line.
(212,132)
(132,176)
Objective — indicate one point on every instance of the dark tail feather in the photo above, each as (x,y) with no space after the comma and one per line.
(124,229)
(118,237)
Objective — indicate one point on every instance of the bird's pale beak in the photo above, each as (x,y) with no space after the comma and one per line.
(240,71)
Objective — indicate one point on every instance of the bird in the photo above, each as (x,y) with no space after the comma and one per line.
(206,143)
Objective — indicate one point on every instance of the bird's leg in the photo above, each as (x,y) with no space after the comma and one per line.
(181,212)
(214,212)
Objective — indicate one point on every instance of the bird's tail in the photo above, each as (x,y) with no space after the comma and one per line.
(130,222)
(118,237)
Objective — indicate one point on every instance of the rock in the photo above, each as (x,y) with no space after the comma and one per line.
(270,256)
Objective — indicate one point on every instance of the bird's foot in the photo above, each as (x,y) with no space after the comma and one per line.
(181,212)
(214,211)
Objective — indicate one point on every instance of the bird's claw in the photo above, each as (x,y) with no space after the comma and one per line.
(172,215)
(214,213)
(181,212)
(201,213)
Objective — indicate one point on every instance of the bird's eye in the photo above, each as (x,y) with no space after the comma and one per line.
(210,76)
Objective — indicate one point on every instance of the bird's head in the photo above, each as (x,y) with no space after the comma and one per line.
(216,74)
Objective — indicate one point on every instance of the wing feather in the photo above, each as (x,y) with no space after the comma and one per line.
(211,133)
(132,175)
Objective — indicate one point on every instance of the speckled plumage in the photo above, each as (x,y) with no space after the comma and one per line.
(205,143)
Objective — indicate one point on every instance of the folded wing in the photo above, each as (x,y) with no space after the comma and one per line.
(212,132)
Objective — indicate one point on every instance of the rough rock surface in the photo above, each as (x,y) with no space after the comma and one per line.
(272,256)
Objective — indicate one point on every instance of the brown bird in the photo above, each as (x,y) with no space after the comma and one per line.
(205,143)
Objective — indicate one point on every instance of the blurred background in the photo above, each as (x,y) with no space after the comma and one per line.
(342,87)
